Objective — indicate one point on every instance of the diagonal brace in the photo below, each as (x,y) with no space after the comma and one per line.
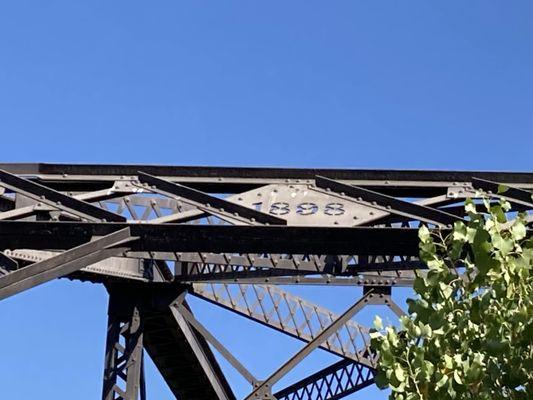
(513,194)
(393,205)
(334,382)
(216,344)
(7,263)
(21,212)
(56,199)
(210,203)
(200,354)
(63,264)
(266,385)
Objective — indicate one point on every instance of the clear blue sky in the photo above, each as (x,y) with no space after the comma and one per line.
(377,84)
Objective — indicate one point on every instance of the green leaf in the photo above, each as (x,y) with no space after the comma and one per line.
(448,361)
(419,285)
(505,245)
(502,188)
(470,207)
(399,373)
(442,381)
(447,290)
(518,230)
(459,231)
(381,380)
(457,377)
(423,234)
(466,336)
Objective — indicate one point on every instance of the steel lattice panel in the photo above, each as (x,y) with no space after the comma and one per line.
(235,237)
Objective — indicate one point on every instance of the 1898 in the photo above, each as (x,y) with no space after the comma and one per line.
(283,208)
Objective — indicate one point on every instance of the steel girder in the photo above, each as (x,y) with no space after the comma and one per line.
(234,237)
(123,371)
(333,382)
(290,314)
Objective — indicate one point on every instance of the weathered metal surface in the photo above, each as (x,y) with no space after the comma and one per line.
(213,230)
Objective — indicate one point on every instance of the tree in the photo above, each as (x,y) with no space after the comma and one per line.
(469,331)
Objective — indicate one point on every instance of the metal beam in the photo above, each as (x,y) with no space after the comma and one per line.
(218,239)
(215,173)
(325,280)
(62,264)
(100,195)
(41,193)
(123,371)
(512,194)
(277,309)
(202,266)
(320,248)
(392,204)
(210,204)
(187,376)
(120,267)
(266,385)
(206,363)
(7,263)
(146,266)
(331,383)
(241,369)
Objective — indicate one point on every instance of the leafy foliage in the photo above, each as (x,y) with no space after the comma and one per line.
(469,332)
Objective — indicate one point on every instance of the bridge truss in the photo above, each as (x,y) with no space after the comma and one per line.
(235,237)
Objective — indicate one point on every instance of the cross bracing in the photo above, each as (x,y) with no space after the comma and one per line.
(237,238)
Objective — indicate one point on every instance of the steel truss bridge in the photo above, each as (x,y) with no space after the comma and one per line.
(235,237)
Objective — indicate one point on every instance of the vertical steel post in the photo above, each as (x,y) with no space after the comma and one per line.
(123,373)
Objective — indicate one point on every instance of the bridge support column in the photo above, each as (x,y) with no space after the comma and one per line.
(124,370)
